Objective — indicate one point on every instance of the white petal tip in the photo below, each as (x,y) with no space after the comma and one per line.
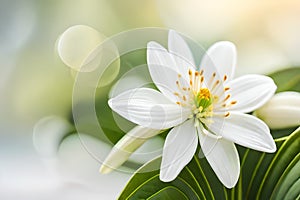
(272,86)
(231,184)
(105,169)
(154,45)
(229,180)
(270,145)
(166,178)
(226,44)
(110,103)
(173,33)
(232,180)
(272,148)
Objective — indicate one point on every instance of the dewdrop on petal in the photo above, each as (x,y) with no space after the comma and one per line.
(281,111)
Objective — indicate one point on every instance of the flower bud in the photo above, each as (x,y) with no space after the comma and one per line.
(281,111)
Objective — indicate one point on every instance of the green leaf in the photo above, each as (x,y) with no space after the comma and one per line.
(169,193)
(289,177)
(284,156)
(293,192)
(263,176)
(287,79)
(145,183)
(279,133)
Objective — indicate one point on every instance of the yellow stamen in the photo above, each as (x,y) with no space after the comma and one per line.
(233,102)
(204,94)
(227,97)
(202,79)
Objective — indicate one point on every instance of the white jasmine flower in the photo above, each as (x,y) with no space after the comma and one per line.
(282,111)
(206,106)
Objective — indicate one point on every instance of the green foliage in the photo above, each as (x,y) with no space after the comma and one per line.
(263,176)
(287,79)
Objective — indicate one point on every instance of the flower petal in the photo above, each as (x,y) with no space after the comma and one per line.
(220,58)
(245,130)
(164,70)
(180,51)
(251,92)
(180,147)
(148,108)
(222,156)
(126,146)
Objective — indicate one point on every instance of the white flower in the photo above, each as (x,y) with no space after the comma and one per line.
(282,111)
(206,106)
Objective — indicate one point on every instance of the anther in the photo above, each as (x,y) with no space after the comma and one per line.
(179,75)
(225,78)
(226,88)
(227,97)
(233,102)
(202,79)
(227,114)
(212,78)
(216,83)
(178,103)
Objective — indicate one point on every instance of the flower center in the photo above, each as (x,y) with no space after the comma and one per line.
(203,97)
(203,106)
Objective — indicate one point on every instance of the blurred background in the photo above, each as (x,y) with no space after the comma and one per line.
(35,83)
